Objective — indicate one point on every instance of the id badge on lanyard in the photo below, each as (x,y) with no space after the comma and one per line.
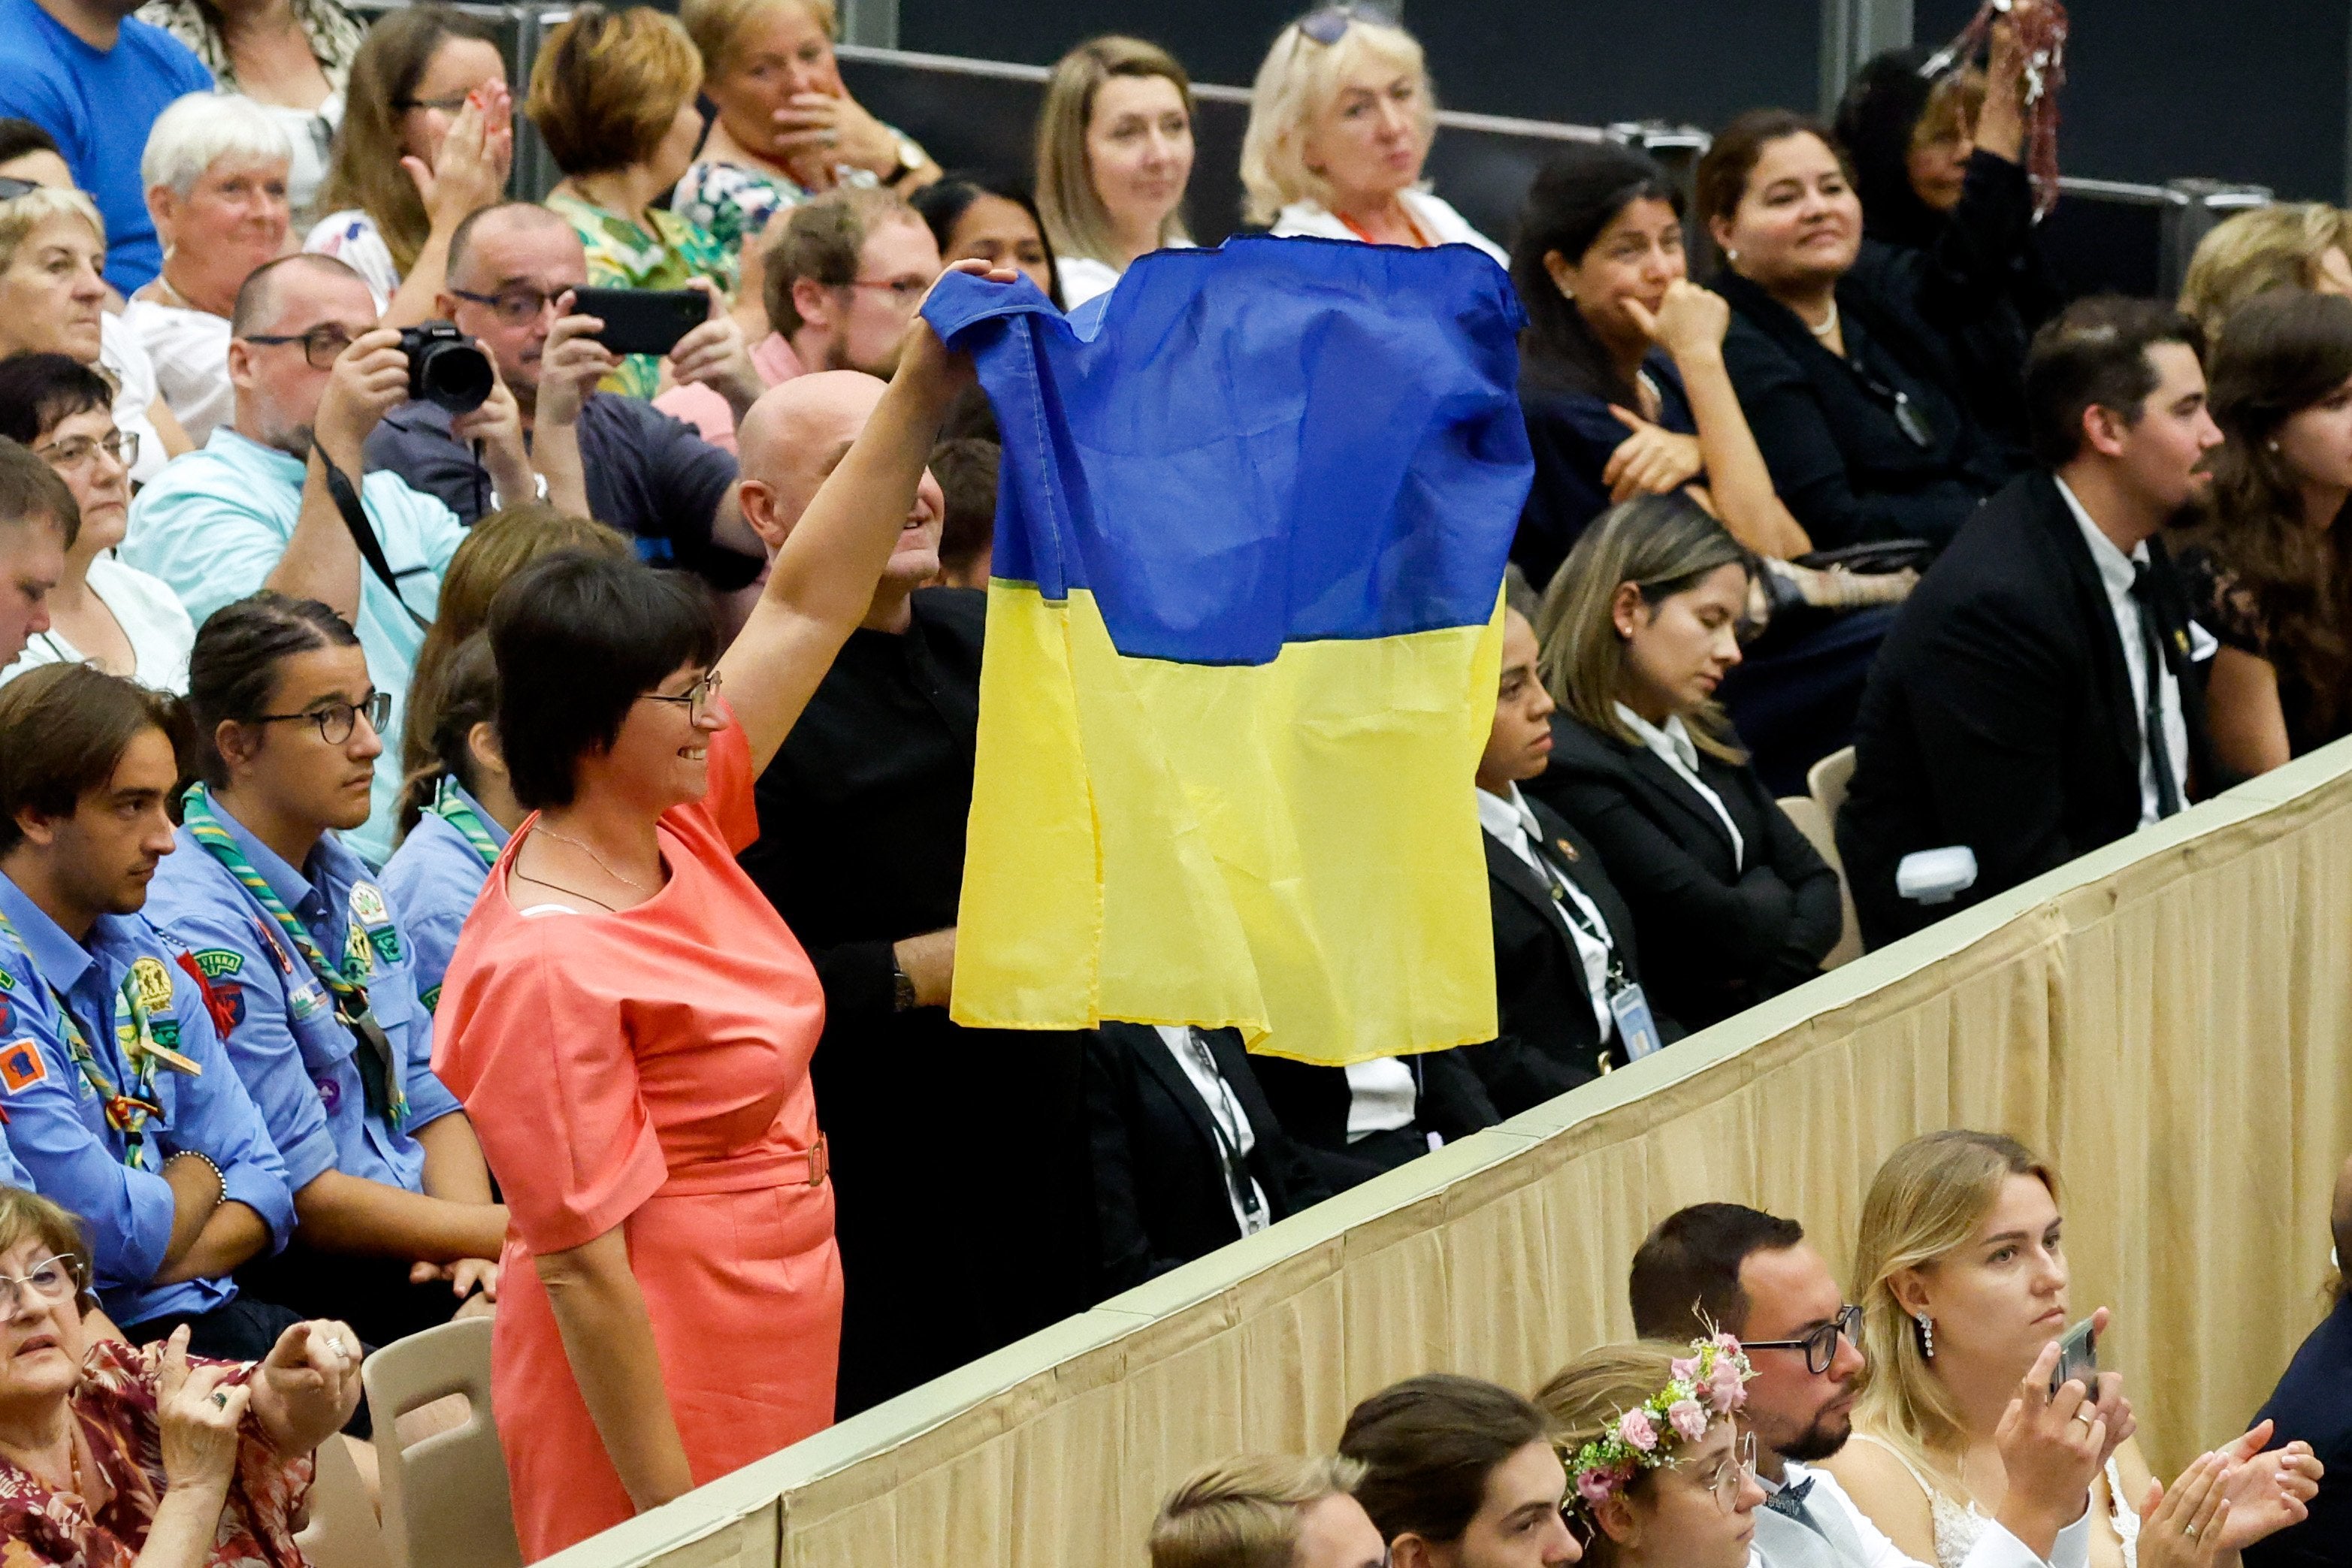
(1634,1026)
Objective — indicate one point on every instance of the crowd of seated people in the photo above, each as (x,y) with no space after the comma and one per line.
(316,649)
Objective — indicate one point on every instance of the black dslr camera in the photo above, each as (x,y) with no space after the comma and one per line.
(444,367)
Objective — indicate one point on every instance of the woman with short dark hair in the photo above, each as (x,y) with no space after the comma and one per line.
(1460,1470)
(630,1022)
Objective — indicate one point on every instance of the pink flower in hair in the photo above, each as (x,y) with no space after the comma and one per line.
(1727,1344)
(1685,1370)
(1595,1485)
(1635,1428)
(1725,1390)
(1689,1418)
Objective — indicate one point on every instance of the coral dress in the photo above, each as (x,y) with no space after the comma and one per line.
(648,1068)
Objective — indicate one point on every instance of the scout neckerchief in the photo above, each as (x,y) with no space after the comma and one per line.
(143,1041)
(379,1073)
(449,805)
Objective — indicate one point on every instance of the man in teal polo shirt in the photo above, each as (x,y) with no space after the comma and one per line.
(253,510)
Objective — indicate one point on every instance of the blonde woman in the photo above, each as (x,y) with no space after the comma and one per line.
(1114,157)
(1340,122)
(787,129)
(1961,1272)
(2287,244)
(1659,1471)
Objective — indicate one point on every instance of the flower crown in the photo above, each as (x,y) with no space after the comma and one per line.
(1709,1384)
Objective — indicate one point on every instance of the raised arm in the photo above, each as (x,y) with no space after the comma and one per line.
(321,561)
(823,579)
(1690,325)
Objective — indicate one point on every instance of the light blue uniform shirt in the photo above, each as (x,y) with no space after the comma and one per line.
(57,1123)
(214,524)
(17,979)
(432,879)
(300,1070)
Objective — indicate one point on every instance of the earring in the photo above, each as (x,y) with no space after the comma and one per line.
(1731,256)
(1927,1335)
(1568,293)
(2271,444)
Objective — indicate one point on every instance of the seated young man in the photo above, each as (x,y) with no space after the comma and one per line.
(121,1102)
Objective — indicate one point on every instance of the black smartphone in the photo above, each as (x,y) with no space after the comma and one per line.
(643,320)
(2078,1359)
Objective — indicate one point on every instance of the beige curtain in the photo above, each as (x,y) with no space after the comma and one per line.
(2168,1018)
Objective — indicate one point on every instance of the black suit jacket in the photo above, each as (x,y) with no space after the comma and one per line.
(1551,1042)
(1716,937)
(1312,1103)
(1999,713)
(1159,1182)
(2311,1403)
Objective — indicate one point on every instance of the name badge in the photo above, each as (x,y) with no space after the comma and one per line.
(1634,1026)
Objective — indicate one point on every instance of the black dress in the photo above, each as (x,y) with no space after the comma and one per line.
(1573,435)
(2314,717)
(963,1204)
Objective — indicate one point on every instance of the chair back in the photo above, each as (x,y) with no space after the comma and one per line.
(344,1531)
(446,1503)
(1827,781)
(1815,823)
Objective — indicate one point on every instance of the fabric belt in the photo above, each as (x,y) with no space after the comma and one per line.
(811,1166)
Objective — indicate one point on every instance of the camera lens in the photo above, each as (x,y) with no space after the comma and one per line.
(444,367)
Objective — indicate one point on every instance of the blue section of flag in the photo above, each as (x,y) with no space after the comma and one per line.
(1275,441)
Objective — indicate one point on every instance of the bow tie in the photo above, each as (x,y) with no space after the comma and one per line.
(1790,1500)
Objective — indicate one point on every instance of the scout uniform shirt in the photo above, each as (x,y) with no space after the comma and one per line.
(300,1062)
(433,877)
(111,1066)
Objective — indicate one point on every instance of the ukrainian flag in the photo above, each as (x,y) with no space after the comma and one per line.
(1242,647)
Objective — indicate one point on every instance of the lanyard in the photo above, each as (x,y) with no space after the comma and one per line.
(379,1075)
(126,1115)
(449,805)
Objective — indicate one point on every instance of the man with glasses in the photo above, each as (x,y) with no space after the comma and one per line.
(121,1101)
(845,278)
(1724,1265)
(256,507)
(614,458)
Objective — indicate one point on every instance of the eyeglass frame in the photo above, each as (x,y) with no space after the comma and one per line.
(377,709)
(697,698)
(449,103)
(1846,1323)
(903,291)
(1735,1467)
(17,1285)
(497,302)
(310,341)
(1326,25)
(123,450)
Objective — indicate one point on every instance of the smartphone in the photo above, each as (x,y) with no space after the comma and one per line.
(2078,1359)
(643,320)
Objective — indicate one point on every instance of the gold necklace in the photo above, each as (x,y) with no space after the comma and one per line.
(600,860)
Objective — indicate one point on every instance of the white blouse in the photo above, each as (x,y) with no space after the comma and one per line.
(152,616)
(190,349)
(1436,218)
(351,237)
(123,357)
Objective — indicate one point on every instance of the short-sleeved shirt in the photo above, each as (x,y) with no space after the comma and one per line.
(297,1058)
(622,254)
(99,104)
(189,351)
(432,879)
(122,355)
(57,1123)
(153,619)
(114,1402)
(216,525)
(2223,605)
(650,476)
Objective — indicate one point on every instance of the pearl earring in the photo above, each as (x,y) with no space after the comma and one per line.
(1731,255)
(1568,293)
(1927,1335)
(2272,446)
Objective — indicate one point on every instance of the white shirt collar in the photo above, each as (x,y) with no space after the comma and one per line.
(1508,820)
(2115,569)
(1671,740)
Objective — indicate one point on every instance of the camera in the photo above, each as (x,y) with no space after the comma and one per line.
(444,367)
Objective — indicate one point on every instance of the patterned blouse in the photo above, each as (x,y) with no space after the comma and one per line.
(735,202)
(115,1404)
(622,254)
(335,34)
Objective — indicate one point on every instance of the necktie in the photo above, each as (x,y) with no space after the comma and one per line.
(2159,753)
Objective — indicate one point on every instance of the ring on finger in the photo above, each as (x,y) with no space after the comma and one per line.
(2190,1531)
(2083,1414)
(220,1398)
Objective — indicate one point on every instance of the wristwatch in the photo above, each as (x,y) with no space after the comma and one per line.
(902,990)
(910,158)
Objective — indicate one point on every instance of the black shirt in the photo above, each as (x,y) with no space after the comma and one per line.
(649,474)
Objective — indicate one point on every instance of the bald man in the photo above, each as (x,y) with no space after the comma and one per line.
(614,458)
(2313,1403)
(963,1211)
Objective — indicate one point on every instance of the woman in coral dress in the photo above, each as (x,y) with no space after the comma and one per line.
(629,1023)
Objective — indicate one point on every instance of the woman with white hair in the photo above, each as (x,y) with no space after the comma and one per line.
(1340,122)
(214,171)
(53,302)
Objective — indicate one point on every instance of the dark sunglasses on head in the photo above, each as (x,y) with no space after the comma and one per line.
(1328,26)
(12,187)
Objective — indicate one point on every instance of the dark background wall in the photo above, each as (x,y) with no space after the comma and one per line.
(2237,89)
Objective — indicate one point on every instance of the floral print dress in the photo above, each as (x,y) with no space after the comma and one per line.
(120,1448)
(622,254)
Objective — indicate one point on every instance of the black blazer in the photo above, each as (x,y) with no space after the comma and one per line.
(1999,713)
(1312,1105)
(1159,1182)
(1827,425)
(1551,1042)
(2309,1403)
(1716,938)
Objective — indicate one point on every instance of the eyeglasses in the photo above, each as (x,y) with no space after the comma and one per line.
(1328,26)
(122,445)
(516,307)
(1821,1345)
(448,105)
(12,187)
(336,720)
(321,346)
(695,698)
(51,1280)
(904,291)
(1731,1471)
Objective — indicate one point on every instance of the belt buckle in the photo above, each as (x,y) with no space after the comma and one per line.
(819,1161)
